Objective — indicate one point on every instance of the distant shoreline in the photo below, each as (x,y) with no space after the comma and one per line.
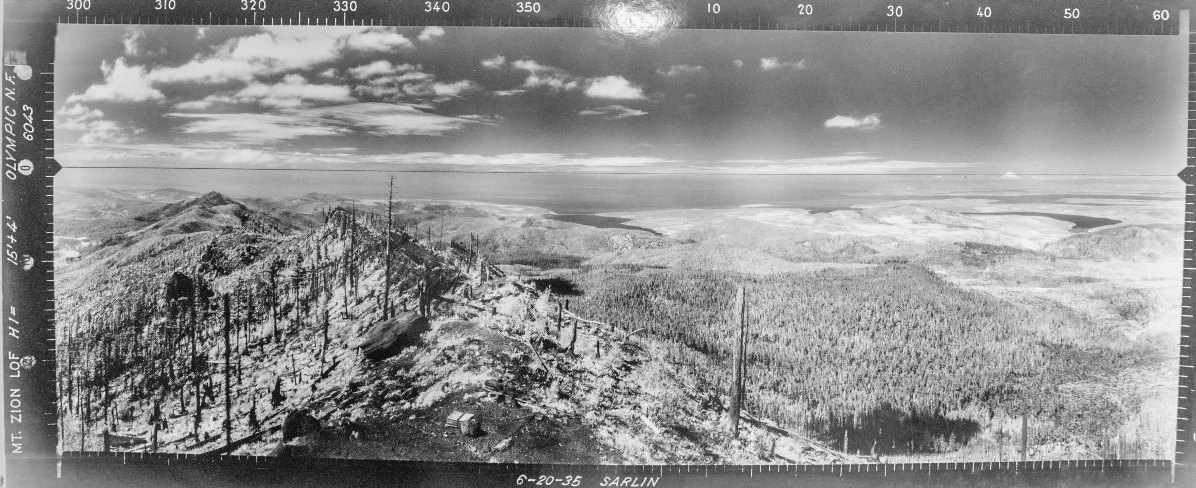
(599,221)
(1079,222)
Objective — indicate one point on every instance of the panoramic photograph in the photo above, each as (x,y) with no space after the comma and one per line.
(561,246)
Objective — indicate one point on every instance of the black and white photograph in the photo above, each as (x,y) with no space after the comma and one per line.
(546,245)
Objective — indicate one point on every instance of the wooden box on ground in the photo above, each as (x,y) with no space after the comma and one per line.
(468,423)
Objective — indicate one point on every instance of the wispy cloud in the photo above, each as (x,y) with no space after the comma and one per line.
(841,164)
(612,112)
(860,122)
(377,68)
(679,70)
(379,119)
(294,91)
(254,128)
(773,64)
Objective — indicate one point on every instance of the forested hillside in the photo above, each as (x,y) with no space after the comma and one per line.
(887,347)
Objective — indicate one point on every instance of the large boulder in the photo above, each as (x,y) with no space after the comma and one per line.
(390,337)
(299,423)
(300,435)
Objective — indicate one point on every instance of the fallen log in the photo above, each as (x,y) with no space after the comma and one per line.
(585,320)
(389,337)
(482,308)
(634,332)
(234,445)
(328,371)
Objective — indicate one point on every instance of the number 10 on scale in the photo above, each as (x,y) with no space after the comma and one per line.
(802,8)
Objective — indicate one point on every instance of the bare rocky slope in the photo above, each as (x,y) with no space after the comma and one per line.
(213,326)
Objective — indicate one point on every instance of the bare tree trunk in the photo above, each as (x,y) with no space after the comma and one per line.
(390,202)
(228,401)
(1025,437)
(83,414)
(156,419)
(324,345)
(1000,444)
(273,305)
(740,361)
(573,337)
(198,407)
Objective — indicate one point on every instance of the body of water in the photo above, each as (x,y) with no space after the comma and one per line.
(1079,222)
(597,193)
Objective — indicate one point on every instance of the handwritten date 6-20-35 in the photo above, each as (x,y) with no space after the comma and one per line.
(547,480)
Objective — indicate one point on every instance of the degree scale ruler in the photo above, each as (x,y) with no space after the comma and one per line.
(30,435)
(1148,17)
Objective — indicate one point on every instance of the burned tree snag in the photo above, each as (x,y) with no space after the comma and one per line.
(390,203)
(573,337)
(324,345)
(228,401)
(737,385)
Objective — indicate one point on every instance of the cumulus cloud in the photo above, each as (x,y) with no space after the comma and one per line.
(278,50)
(378,40)
(614,87)
(865,122)
(430,34)
(612,112)
(406,81)
(453,89)
(93,125)
(134,43)
(495,62)
(122,83)
(244,58)
(544,76)
(679,70)
(772,64)
(531,65)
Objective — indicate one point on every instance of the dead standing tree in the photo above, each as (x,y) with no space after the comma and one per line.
(390,203)
(228,402)
(737,386)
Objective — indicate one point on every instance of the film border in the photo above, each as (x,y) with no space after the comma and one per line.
(30,27)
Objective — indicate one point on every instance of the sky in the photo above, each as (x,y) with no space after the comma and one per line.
(579,100)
